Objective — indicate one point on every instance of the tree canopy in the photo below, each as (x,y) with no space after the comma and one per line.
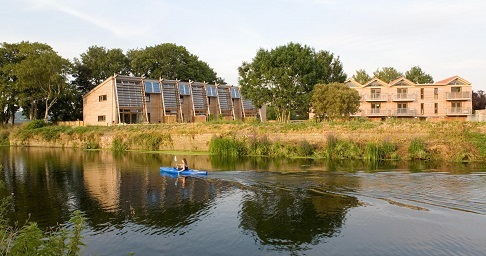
(416,75)
(361,76)
(284,77)
(334,100)
(479,100)
(96,65)
(171,62)
(387,74)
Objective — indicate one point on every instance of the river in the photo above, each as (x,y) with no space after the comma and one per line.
(252,206)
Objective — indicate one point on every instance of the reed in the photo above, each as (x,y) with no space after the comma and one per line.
(225,146)
(418,150)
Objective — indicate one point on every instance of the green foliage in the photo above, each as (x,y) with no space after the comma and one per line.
(416,75)
(479,141)
(31,240)
(361,76)
(118,145)
(225,146)
(387,74)
(418,150)
(150,141)
(4,138)
(170,61)
(304,148)
(342,149)
(380,151)
(259,146)
(335,100)
(35,124)
(284,77)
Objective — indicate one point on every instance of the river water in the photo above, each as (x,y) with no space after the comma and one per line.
(254,206)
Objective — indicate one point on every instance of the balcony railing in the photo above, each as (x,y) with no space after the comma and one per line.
(458,111)
(376,97)
(458,95)
(377,112)
(404,112)
(404,96)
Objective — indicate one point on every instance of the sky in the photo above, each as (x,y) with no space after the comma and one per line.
(444,37)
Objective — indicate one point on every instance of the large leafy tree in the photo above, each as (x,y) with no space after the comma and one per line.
(479,100)
(170,61)
(9,92)
(96,65)
(284,77)
(41,77)
(361,76)
(334,100)
(387,74)
(416,75)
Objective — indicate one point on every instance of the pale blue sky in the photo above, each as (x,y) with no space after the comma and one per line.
(445,38)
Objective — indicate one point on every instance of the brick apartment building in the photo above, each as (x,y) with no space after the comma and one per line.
(450,98)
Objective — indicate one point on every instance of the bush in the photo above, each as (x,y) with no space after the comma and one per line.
(34,124)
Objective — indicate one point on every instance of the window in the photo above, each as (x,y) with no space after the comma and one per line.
(436,93)
(101,118)
(375,93)
(402,108)
(422,108)
(211,91)
(401,105)
(147,97)
(422,92)
(184,89)
(375,108)
(456,89)
(235,93)
(103,98)
(436,108)
(456,105)
(152,87)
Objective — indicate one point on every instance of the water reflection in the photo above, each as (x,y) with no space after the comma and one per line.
(283,204)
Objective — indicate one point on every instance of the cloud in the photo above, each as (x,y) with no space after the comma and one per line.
(113,26)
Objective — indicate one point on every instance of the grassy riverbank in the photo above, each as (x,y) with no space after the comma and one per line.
(393,139)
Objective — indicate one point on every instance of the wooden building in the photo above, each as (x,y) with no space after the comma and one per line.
(130,100)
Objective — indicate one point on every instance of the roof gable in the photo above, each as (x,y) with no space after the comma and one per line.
(375,82)
(402,81)
(352,83)
(455,80)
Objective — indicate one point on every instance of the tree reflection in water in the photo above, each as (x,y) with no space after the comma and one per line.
(292,219)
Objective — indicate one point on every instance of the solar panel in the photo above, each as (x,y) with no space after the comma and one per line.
(211,91)
(235,93)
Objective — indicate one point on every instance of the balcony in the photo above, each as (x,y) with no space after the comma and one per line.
(458,111)
(376,97)
(404,112)
(404,96)
(377,112)
(458,96)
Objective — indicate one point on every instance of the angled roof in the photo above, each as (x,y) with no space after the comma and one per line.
(401,79)
(375,80)
(449,81)
(352,83)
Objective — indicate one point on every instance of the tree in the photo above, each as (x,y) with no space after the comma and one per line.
(9,93)
(96,65)
(361,76)
(387,74)
(284,77)
(479,100)
(170,61)
(334,100)
(41,77)
(416,75)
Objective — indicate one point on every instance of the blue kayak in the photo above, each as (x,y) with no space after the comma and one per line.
(190,172)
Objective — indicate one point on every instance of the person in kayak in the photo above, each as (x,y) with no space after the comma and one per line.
(183,166)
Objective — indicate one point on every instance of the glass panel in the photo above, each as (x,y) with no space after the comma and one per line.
(211,91)
(148,87)
(184,89)
(235,93)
